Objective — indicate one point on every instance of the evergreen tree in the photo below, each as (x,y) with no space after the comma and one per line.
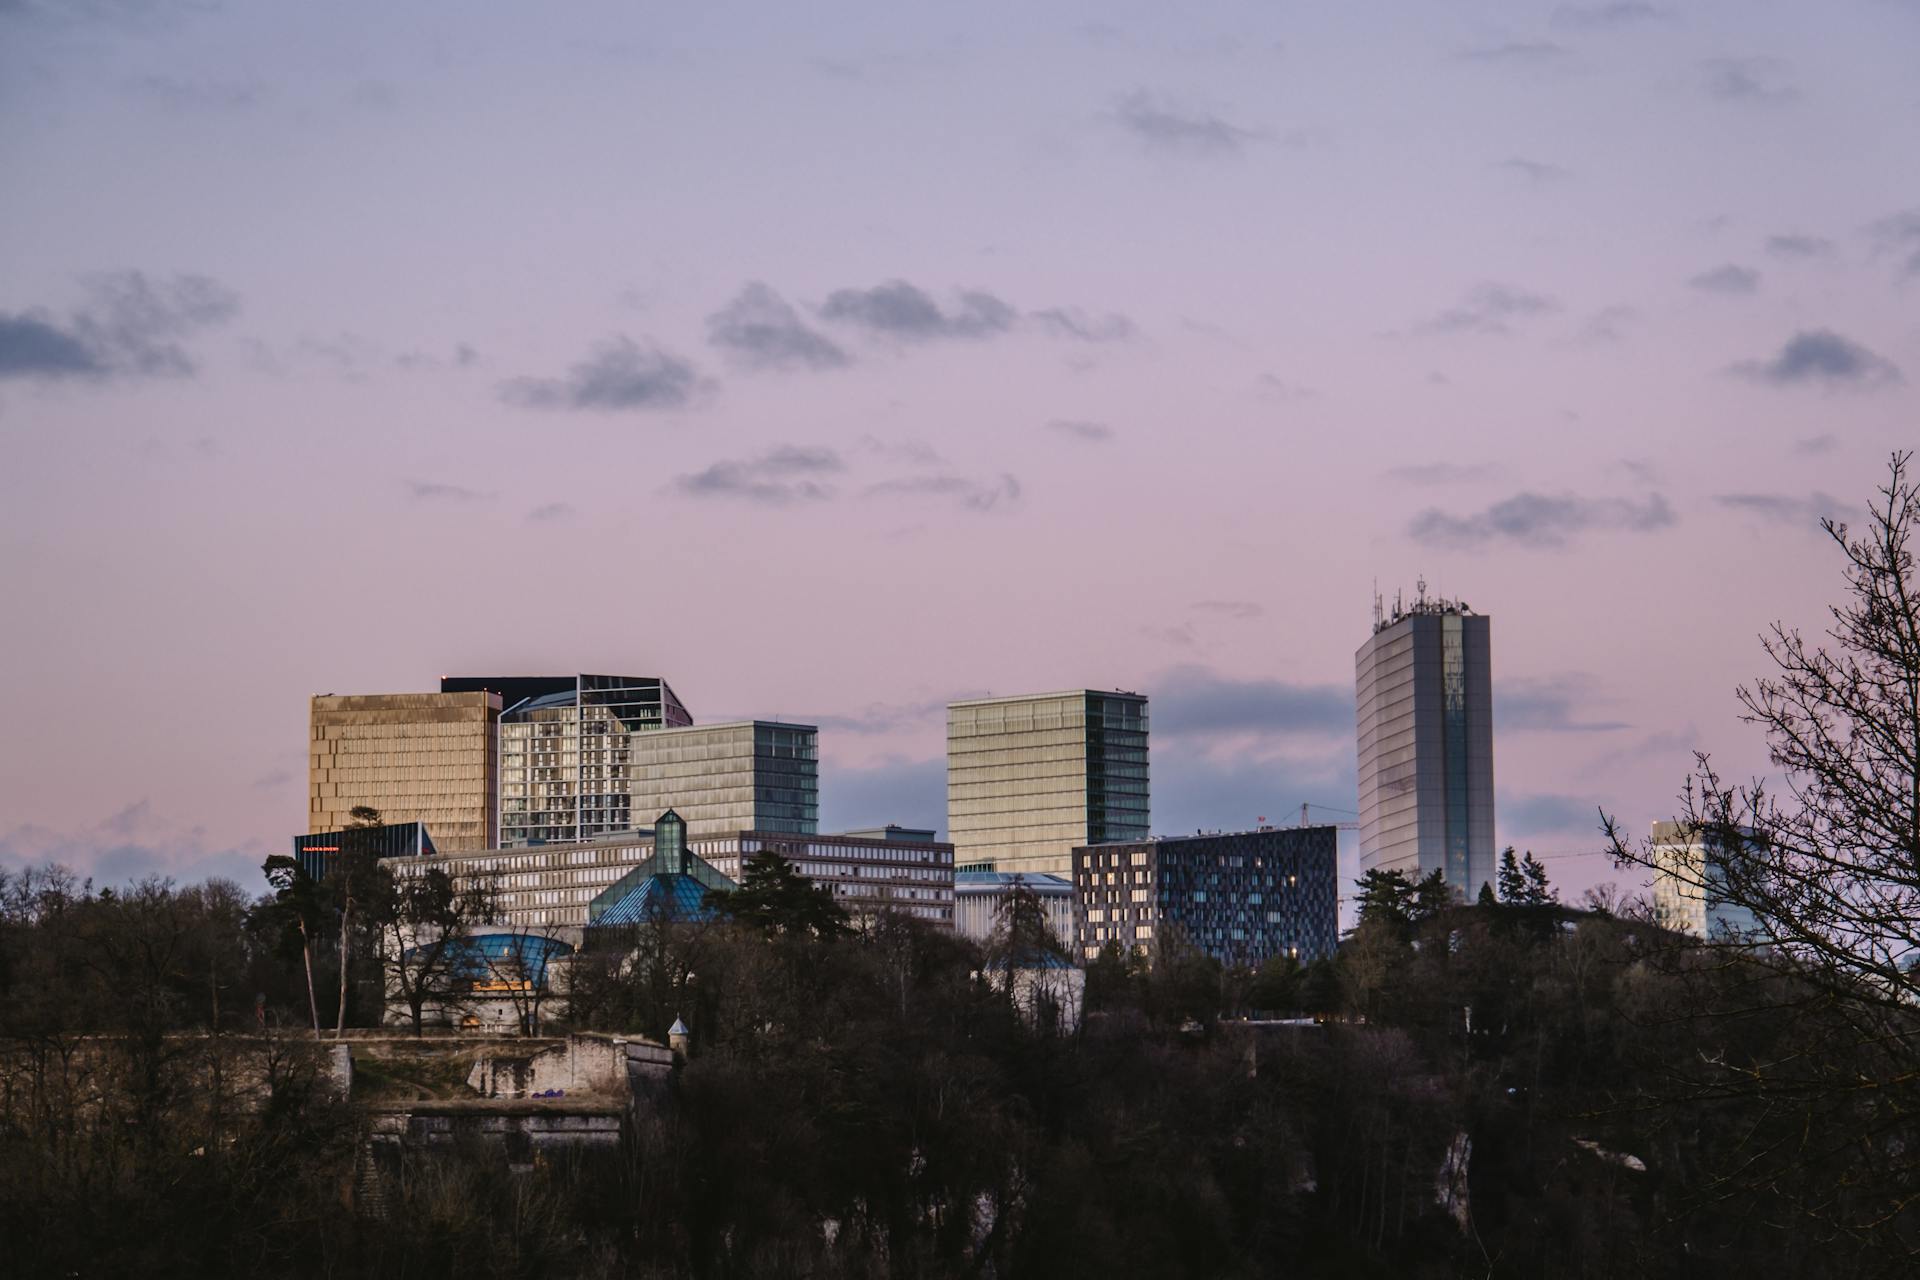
(1113,978)
(1513,882)
(779,901)
(1538,892)
(1385,895)
(1486,895)
(1276,987)
(1431,896)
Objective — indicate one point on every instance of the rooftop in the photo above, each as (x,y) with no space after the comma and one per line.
(1045,697)
(988,880)
(1214,835)
(1422,605)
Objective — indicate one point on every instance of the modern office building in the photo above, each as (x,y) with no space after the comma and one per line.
(980,896)
(1029,778)
(416,757)
(566,755)
(867,876)
(553,885)
(753,775)
(1424,707)
(1243,897)
(1689,884)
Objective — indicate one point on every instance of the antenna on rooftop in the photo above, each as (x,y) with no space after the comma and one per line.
(1420,586)
(1379,606)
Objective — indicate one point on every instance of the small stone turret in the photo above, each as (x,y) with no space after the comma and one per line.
(679,1039)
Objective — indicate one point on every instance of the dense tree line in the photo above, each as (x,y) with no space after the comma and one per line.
(1495,1090)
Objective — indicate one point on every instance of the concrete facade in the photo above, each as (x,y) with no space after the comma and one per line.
(551,885)
(416,757)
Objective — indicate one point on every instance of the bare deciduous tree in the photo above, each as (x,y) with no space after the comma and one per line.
(1829,863)
(1827,860)
(425,922)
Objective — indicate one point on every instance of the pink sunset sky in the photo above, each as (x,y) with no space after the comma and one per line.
(836,361)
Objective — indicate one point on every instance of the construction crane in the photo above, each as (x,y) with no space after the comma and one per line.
(1307,821)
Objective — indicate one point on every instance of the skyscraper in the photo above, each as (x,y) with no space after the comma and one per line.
(416,757)
(566,757)
(1031,777)
(1424,703)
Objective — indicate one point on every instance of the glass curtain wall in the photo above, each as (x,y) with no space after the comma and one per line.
(1117,793)
(566,760)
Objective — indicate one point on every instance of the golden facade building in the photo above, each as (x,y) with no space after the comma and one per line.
(416,757)
(1031,778)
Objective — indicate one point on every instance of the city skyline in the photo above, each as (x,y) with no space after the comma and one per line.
(1114,347)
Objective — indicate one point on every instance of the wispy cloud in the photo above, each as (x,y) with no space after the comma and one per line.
(1080,429)
(196,96)
(1538,172)
(896,789)
(1164,126)
(973,494)
(1760,81)
(621,374)
(1238,610)
(551,513)
(1898,236)
(1491,308)
(1806,511)
(913,453)
(1196,701)
(1798,245)
(1530,816)
(1274,387)
(761,330)
(1608,324)
(130,844)
(1180,635)
(785,475)
(883,717)
(1071,322)
(33,346)
(1821,357)
(1551,704)
(131,325)
(907,313)
(1728,279)
(1540,521)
